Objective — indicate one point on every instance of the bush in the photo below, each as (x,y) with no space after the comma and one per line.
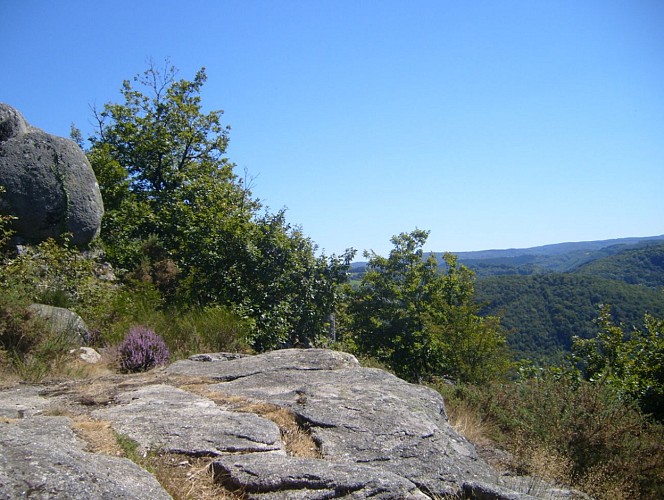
(211,329)
(30,347)
(142,349)
(571,431)
(185,331)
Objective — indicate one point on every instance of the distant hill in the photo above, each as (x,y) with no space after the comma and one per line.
(639,266)
(544,312)
(548,294)
(557,248)
(560,257)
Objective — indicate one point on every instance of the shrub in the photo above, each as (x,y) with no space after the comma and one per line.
(142,349)
(30,347)
(212,329)
(572,431)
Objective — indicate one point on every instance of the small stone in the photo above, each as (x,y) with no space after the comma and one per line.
(87,354)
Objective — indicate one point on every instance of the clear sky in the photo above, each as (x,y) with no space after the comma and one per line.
(494,124)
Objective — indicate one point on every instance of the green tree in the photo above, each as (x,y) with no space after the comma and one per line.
(633,365)
(422,322)
(160,164)
(179,217)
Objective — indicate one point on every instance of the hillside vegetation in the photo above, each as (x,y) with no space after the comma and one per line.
(543,312)
(640,266)
(200,266)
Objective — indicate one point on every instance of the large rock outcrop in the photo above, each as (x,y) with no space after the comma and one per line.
(373,435)
(41,457)
(50,185)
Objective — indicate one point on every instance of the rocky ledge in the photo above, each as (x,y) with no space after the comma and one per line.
(363,433)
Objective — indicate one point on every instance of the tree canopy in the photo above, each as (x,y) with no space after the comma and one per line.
(178,216)
(422,322)
(632,363)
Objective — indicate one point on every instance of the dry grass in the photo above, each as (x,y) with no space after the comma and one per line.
(8,378)
(98,435)
(540,461)
(187,478)
(601,484)
(297,439)
(467,421)
(183,477)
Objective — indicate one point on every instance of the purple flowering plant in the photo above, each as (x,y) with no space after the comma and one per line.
(142,349)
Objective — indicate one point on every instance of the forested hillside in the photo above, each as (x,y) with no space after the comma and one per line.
(561,257)
(642,266)
(546,295)
(543,312)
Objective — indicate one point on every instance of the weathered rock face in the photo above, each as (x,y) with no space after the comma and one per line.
(356,415)
(164,418)
(50,185)
(41,457)
(375,436)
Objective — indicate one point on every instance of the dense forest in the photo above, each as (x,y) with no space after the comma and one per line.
(560,257)
(201,266)
(547,295)
(543,312)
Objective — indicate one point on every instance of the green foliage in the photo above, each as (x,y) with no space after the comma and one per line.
(178,218)
(130,449)
(20,330)
(186,332)
(5,227)
(543,313)
(639,266)
(633,366)
(50,273)
(57,274)
(420,322)
(160,166)
(28,346)
(603,444)
(212,329)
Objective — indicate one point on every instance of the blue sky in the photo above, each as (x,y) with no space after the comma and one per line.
(494,124)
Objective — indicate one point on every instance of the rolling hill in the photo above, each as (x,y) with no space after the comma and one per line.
(548,294)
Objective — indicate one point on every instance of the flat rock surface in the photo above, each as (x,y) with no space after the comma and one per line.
(22,401)
(367,416)
(260,476)
(164,418)
(220,367)
(375,435)
(40,457)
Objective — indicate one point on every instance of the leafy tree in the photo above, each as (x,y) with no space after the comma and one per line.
(160,164)
(633,365)
(177,215)
(421,322)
